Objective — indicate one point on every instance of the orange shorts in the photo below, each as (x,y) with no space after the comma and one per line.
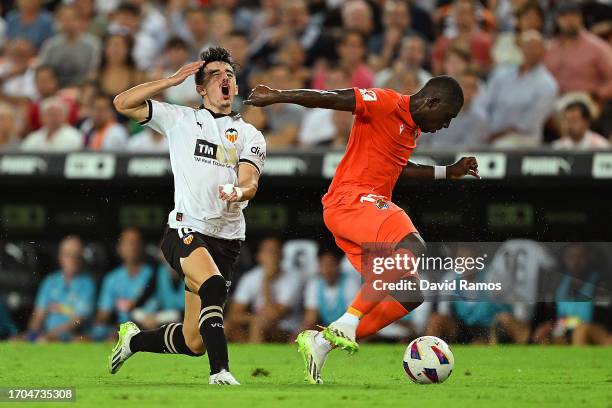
(361,218)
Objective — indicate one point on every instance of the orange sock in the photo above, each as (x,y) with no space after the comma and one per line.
(385,313)
(361,306)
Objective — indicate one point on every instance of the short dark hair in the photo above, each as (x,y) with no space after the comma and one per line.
(176,42)
(213,54)
(130,8)
(329,249)
(585,112)
(345,34)
(45,67)
(446,88)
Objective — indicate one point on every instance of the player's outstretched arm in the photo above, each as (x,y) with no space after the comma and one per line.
(337,99)
(132,103)
(466,166)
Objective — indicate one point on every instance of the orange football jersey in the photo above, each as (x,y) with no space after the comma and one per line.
(381,142)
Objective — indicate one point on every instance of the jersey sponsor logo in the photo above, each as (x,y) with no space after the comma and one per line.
(231,134)
(368,95)
(188,239)
(205,149)
(256,150)
(23,165)
(214,154)
(545,166)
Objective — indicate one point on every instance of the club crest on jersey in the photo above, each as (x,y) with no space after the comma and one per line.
(188,239)
(368,95)
(381,204)
(231,134)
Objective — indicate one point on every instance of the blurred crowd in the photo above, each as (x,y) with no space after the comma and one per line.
(534,72)
(557,295)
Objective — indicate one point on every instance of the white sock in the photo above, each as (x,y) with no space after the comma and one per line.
(321,343)
(349,320)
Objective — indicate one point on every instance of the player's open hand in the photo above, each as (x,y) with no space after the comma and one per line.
(262,95)
(185,72)
(466,166)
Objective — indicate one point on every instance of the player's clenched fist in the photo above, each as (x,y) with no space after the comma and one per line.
(466,166)
(185,72)
(262,95)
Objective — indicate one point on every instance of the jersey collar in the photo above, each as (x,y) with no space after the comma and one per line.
(232,114)
(405,106)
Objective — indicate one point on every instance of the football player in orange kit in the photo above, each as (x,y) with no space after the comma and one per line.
(357,208)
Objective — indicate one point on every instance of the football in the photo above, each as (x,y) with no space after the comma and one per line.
(428,360)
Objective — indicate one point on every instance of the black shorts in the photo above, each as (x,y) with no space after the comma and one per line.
(180,243)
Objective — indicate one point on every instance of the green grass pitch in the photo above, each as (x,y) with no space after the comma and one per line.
(511,376)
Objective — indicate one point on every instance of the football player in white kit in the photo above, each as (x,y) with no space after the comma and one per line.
(216,159)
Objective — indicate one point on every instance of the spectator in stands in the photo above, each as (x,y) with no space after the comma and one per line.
(266,303)
(148,141)
(65,299)
(506,49)
(101,130)
(576,133)
(237,43)
(176,55)
(291,55)
(469,128)
(8,129)
(118,70)
(16,72)
(318,124)
(56,134)
(93,21)
(457,60)
(47,86)
(579,60)
(396,22)
(343,123)
(28,21)
(222,25)
(357,16)
(192,25)
(153,22)
(576,299)
(127,20)
(282,121)
(412,54)
(72,53)
(295,22)
(125,287)
(328,295)
(465,316)
(167,303)
(468,36)
(352,53)
(519,98)
(405,81)
(7,327)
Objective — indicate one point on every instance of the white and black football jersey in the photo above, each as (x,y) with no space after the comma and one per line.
(205,150)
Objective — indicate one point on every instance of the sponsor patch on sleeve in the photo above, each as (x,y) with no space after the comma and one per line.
(368,95)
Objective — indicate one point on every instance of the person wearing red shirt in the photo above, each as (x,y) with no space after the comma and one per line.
(467,36)
(357,208)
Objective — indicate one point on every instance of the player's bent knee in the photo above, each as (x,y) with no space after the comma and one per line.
(195,343)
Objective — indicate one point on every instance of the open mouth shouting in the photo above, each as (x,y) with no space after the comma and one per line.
(225,90)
